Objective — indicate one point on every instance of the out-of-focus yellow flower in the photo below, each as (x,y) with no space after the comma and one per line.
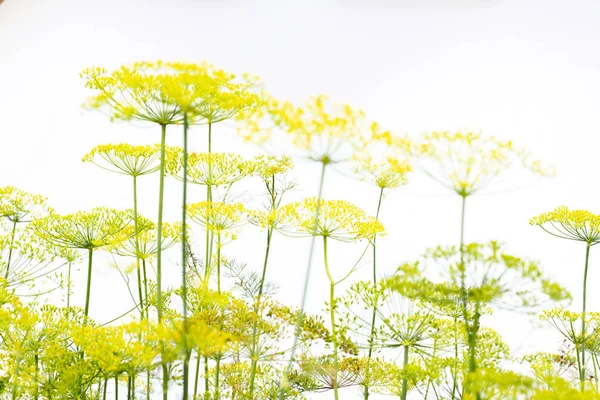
(212,169)
(17,205)
(217,216)
(387,174)
(464,162)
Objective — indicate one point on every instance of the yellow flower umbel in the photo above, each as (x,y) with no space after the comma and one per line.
(88,230)
(125,159)
(209,169)
(582,226)
(19,207)
(465,162)
(337,220)
(218,218)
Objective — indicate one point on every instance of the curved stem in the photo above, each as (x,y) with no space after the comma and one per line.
(334,378)
(89,284)
(300,316)
(374,314)
(10,249)
(583,337)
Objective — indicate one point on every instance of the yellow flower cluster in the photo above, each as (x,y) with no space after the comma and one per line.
(217,216)
(267,166)
(163,92)
(580,225)
(124,243)
(84,229)
(335,219)
(125,158)
(213,169)
(17,205)
(464,161)
(388,174)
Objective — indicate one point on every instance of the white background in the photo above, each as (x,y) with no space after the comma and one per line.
(521,70)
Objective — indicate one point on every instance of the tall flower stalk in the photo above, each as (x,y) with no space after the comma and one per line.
(581,226)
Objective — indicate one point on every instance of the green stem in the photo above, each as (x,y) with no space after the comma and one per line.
(217,376)
(159,305)
(69,285)
(186,351)
(137,247)
(374,314)
(583,336)
(208,252)
(129,387)
(334,378)
(89,283)
(10,249)
(300,316)
(255,335)
(219,261)
(196,378)
(116,387)
(104,389)
(145,286)
(404,378)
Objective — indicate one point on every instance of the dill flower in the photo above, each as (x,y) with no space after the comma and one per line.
(124,243)
(321,129)
(84,229)
(335,219)
(267,166)
(388,174)
(465,162)
(125,158)
(217,216)
(133,93)
(579,225)
(210,169)
(18,206)
(87,230)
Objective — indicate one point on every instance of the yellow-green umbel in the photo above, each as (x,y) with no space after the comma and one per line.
(86,230)
(581,226)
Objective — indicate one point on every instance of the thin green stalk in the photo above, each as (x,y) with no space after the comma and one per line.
(300,316)
(116,387)
(89,283)
(159,305)
(208,253)
(206,383)
(332,318)
(404,378)
(129,387)
(145,286)
(373,316)
(217,376)
(104,389)
(186,351)
(585,272)
(137,247)
(255,335)
(69,285)
(10,249)
(161,193)
(196,378)
(219,261)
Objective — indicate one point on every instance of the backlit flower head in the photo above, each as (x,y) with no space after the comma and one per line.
(209,94)
(580,225)
(321,129)
(84,229)
(267,166)
(464,161)
(218,216)
(124,243)
(17,205)
(125,158)
(387,174)
(335,219)
(213,169)
(137,92)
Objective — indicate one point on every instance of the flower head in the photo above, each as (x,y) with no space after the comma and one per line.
(17,205)
(213,169)
(124,243)
(387,174)
(464,162)
(84,229)
(336,219)
(218,216)
(580,225)
(125,158)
